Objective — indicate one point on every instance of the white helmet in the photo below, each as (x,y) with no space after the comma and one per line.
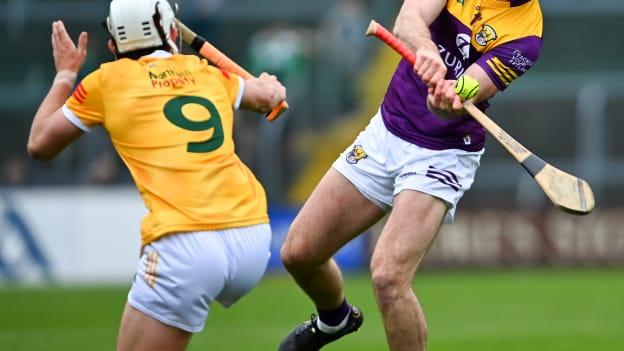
(141,24)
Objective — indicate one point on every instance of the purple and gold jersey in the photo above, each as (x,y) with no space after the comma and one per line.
(504,37)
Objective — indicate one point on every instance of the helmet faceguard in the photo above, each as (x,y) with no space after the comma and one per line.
(141,24)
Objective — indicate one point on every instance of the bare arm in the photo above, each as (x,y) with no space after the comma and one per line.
(51,132)
(263,94)
(487,88)
(412,28)
(412,23)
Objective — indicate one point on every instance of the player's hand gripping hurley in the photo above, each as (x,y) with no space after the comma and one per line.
(219,59)
(567,192)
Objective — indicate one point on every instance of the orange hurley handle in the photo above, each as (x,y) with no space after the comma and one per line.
(382,33)
(219,59)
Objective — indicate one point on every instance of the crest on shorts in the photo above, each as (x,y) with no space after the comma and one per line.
(354,156)
(486,35)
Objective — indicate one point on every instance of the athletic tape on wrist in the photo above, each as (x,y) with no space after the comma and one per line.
(65,77)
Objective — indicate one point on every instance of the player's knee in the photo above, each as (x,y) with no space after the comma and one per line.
(385,281)
(389,283)
(294,257)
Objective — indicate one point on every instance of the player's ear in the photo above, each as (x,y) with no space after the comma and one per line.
(174,33)
(112,47)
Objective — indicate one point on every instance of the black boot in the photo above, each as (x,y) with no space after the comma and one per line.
(308,337)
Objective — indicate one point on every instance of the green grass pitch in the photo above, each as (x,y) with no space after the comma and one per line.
(549,310)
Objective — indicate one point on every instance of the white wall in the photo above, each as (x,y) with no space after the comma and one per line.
(86,234)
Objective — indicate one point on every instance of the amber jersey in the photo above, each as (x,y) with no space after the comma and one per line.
(170,119)
(504,37)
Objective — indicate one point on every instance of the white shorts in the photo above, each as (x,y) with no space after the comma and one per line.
(180,275)
(381,165)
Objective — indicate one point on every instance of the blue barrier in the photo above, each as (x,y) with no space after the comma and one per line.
(33,258)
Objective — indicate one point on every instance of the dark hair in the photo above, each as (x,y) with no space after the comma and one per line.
(137,54)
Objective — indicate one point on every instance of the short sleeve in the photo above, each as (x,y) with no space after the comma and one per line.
(234,85)
(507,62)
(85,108)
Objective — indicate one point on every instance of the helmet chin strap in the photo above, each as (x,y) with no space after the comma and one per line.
(179,47)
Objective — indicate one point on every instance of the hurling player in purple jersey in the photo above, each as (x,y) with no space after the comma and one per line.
(416,158)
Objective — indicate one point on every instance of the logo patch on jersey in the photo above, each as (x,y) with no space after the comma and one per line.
(171,78)
(467,140)
(452,61)
(486,35)
(504,72)
(520,62)
(80,94)
(461,2)
(445,177)
(354,156)
(463,45)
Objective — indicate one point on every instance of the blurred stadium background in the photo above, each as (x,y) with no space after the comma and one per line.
(512,273)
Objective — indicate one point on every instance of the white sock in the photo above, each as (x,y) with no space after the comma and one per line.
(331,329)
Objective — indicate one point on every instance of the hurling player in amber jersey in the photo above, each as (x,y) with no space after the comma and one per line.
(408,160)
(170,118)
